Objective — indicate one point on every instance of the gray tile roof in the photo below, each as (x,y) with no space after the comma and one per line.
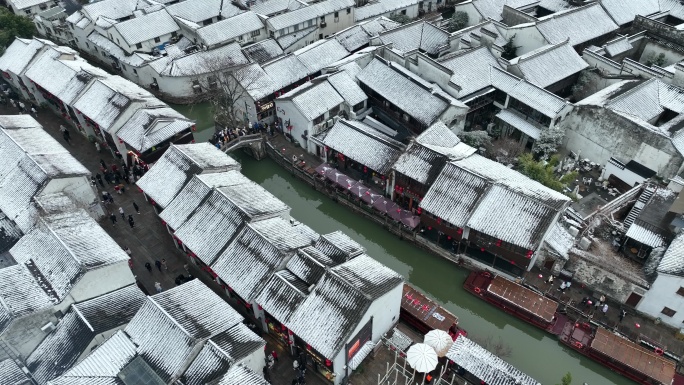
(114,9)
(528,93)
(618,46)
(12,374)
(470,69)
(623,12)
(359,35)
(579,25)
(291,39)
(321,54)
(560,240)
(113,309)
(381,7)
(210,363)
(147,27)
(254,200)
(486,366)
(198,11)
(521,122)
(188,199)
(369,276)
(107,99)
(493,8)
(171,323)
(339,247)
(201,62)
(239,342)
(280,297)
(230,29)
(285,235)
(60,349)
(305,14)
(347,87)
(306,267)
(149,127)
(104,44)
(63,78)
(551,64)
(314,99)
(211,226)
(240,375)
(525,223)
(418,35)
(364,145)
(648,100)
(263,51)
(19,54)
(454,195)
(21,294)
(104,362)
(332,299)
(673,259)
(248,263)
(392,85)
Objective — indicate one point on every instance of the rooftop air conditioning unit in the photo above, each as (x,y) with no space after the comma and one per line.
(48,327)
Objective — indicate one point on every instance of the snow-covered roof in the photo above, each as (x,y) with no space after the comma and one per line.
(113,9)
(107,99)
(520,122)
(493,8)
(305,14)
(149,127)
(313,99)
(201,62)
(363,144)
(525,223)
(136,60)
(199,11)
(485,365)
(257,253)
(345,85)
(285,70)
(22,4)
(270,7)
(383,78)
(291,39)
(63,78)
(418,35)
(359,35)
(673,259)
(177,212)
(227,30)
(338,246)
(369,276)
(103,363)
(648,100)
(381,7)
(528,93)
(282,294)
(146,27)
(579,25)
(62,247)
(19,54)
(60,349)
(171,323)
(320,54)
(624,12)
(178,165)
(21,294)
(241,375)
(470,69)
(618,46)
(238,342)
(550,64)
(263,51)
(12,373)
(560,240)
(643,233)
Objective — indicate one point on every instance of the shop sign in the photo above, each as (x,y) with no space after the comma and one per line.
(264,107)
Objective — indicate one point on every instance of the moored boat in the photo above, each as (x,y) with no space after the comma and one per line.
(424,314)
(517,300)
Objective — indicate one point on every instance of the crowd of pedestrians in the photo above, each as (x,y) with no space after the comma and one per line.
(222,137)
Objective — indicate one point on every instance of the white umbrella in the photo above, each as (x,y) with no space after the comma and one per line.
(439,340)
(422,358)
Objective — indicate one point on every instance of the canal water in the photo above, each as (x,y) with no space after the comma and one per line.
(532,351)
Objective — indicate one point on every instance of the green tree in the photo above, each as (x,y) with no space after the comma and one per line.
(457,21)
(543,172)
(13,26)
(566,380)
(400,18)
(510,49)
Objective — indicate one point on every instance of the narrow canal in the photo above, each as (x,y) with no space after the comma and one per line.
(532,351)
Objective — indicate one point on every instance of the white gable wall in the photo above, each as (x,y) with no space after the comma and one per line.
(663,293)
(97,282)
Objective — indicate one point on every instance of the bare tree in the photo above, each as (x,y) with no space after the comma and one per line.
(225,83)
(505,150)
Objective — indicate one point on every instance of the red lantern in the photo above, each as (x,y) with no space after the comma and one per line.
(459,231)
(529,254)
(290,332)
(290,342)
(419,210)
(482,249)
(365,169)
(192,141)
(439,221)
(249,305)
(449,237)
(163,222)
(512,262)
(260,308)
(308,347)
(429,227)
(498,243)
(283,328)
(193,128)
(328,362)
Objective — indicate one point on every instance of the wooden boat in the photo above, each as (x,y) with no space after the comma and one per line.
(645,366)
(517,300)
(425,314)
